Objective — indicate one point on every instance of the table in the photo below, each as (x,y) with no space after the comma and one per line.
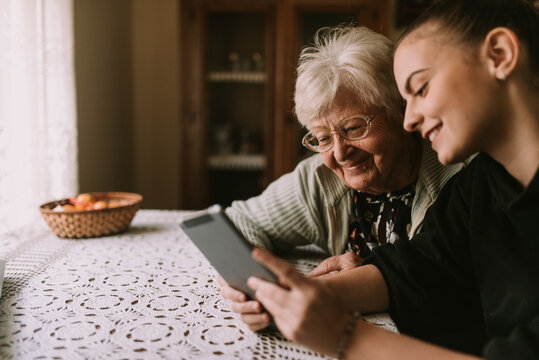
(145,294)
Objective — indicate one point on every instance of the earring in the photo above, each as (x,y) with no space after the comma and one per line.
(502,77)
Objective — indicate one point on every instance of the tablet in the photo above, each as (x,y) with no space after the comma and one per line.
(225,247)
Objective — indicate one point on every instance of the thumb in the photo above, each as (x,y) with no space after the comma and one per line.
(287,275)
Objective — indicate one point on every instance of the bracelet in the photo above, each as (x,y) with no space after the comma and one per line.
(346,335)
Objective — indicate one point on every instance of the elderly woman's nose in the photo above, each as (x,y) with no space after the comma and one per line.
(412,119)
(339,147)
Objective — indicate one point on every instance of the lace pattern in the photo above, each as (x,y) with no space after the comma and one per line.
(147,293)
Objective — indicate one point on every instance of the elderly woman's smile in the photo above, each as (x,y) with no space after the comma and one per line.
(356,167)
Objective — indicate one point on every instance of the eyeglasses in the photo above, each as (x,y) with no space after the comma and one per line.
(355,127)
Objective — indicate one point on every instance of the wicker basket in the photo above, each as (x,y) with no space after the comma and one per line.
(92,223)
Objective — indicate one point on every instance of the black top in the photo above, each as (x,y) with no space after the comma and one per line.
(470,280)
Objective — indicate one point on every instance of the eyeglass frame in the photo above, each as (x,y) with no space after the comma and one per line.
(368,119)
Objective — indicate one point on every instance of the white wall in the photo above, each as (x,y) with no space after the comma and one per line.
(156,101)
(104,101)
(126,59)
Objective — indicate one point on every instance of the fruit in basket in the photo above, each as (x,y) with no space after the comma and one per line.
(66,221)
(85,202)
(85,199)
(82,202)
(68,207)
(100,205)
(88,202)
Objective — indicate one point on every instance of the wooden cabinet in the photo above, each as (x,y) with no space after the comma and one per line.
(238,61)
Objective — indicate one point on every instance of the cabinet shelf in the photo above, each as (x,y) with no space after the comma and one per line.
(255,77)
(245,162)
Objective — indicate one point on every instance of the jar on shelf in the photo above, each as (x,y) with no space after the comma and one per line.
(234,59)
(258,62)
(223,139)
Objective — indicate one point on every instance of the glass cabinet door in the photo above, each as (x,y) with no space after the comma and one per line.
(237,103)
(227,56)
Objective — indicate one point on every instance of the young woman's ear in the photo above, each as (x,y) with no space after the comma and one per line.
(502,51)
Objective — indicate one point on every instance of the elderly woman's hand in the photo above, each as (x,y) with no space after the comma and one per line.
(250,311)
(305,310)
(336,264)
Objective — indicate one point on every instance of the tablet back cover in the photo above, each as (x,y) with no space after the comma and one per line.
(225,248)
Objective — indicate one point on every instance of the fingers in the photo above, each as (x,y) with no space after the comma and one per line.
(251,314)
(232,294)
(250,311)
(272,296)
(325,267)
(286,274)
(247,307)
(335,264)
(256,322)
(221,281)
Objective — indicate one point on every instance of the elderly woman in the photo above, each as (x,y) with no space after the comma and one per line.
(371,182)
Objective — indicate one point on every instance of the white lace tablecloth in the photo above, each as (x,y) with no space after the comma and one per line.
(145,294)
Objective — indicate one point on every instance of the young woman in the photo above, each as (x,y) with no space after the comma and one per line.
(469,71)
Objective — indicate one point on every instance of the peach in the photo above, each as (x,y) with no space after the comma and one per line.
(100,205)
(84,199)
(68,207)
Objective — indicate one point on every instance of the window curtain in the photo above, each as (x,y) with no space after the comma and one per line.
(38,134)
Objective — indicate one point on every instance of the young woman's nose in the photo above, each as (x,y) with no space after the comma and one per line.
(412,119)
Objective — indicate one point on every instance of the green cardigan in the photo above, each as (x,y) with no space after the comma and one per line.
(311,205)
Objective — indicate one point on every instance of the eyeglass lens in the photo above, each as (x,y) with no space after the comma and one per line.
(351,129)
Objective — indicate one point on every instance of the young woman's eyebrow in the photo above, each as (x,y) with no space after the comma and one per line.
(407,86)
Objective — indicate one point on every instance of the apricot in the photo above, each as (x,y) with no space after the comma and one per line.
(68,207)
(100,205)
(84,199)
(79,206)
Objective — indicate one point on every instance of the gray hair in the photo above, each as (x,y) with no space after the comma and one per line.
(351,59)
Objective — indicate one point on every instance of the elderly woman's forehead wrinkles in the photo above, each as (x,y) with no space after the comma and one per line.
(318,124)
